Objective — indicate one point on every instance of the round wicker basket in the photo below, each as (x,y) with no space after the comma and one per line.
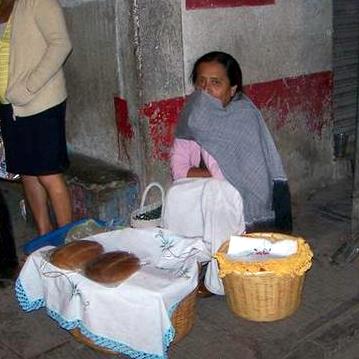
(182,319)
(135,220)
(262,296)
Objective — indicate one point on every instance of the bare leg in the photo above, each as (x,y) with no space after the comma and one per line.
(59,197)
(37,198)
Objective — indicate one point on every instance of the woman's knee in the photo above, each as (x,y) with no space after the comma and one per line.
(54,183)
(224,190)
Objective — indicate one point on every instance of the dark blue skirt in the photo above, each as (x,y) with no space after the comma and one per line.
(35,145)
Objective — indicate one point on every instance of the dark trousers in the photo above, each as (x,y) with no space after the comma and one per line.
(8,258)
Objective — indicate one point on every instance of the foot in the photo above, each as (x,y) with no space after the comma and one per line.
(203,292)
(9,273)
(5,283)
(8,276)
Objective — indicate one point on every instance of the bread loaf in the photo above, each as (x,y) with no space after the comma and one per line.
(75,255)
(112,267)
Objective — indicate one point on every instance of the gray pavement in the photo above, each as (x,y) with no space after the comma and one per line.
(326,324)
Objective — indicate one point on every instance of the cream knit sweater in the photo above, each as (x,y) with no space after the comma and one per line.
(39,47)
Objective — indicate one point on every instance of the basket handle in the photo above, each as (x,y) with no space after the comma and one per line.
(147,189)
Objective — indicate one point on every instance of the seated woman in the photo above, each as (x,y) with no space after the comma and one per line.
(237,179)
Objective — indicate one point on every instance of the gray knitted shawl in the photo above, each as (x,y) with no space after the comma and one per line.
(238,139)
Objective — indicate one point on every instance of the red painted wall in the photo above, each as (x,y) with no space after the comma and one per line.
(200,4)
(124,126)
(162,116)
(311,94)
(307,94)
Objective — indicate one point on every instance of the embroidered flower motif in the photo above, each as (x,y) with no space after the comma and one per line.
(166,243)
(262,252)
(74,290)
(181,261)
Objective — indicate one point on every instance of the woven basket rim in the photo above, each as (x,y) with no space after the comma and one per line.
(270,266)
(272,236)
(154,222)
(181,330)
(148,207)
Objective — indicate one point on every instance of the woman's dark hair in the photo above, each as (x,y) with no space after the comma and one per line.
(231,65)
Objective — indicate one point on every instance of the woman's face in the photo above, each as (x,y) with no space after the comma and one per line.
(212,78)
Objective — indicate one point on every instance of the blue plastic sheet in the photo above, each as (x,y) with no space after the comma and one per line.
(55,237)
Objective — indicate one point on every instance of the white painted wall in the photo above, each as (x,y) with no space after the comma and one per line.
(290,38)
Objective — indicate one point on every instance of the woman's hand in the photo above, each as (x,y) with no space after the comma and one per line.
(198,172)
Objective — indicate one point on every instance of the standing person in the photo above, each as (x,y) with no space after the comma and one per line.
(8,257)
(34,45)
(228,174)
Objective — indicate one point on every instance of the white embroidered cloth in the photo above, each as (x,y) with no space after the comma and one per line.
(133,317)
(206,208)
(246,249)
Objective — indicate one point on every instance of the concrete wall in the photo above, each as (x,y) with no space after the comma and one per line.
(91,74)
(102,123)
(285,51)
(124,53)
(162,77)
(129,74)
(286,39)
(127,99)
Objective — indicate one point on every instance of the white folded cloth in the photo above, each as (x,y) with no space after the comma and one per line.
(259,249)
(206,208)
(133,317)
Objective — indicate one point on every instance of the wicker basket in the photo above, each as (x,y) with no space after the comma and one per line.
(182,319)
(262,296)
(145,223)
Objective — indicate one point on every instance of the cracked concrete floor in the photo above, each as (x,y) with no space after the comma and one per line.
(326,324)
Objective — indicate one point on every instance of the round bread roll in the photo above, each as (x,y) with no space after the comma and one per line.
(112,267)
(75,255)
